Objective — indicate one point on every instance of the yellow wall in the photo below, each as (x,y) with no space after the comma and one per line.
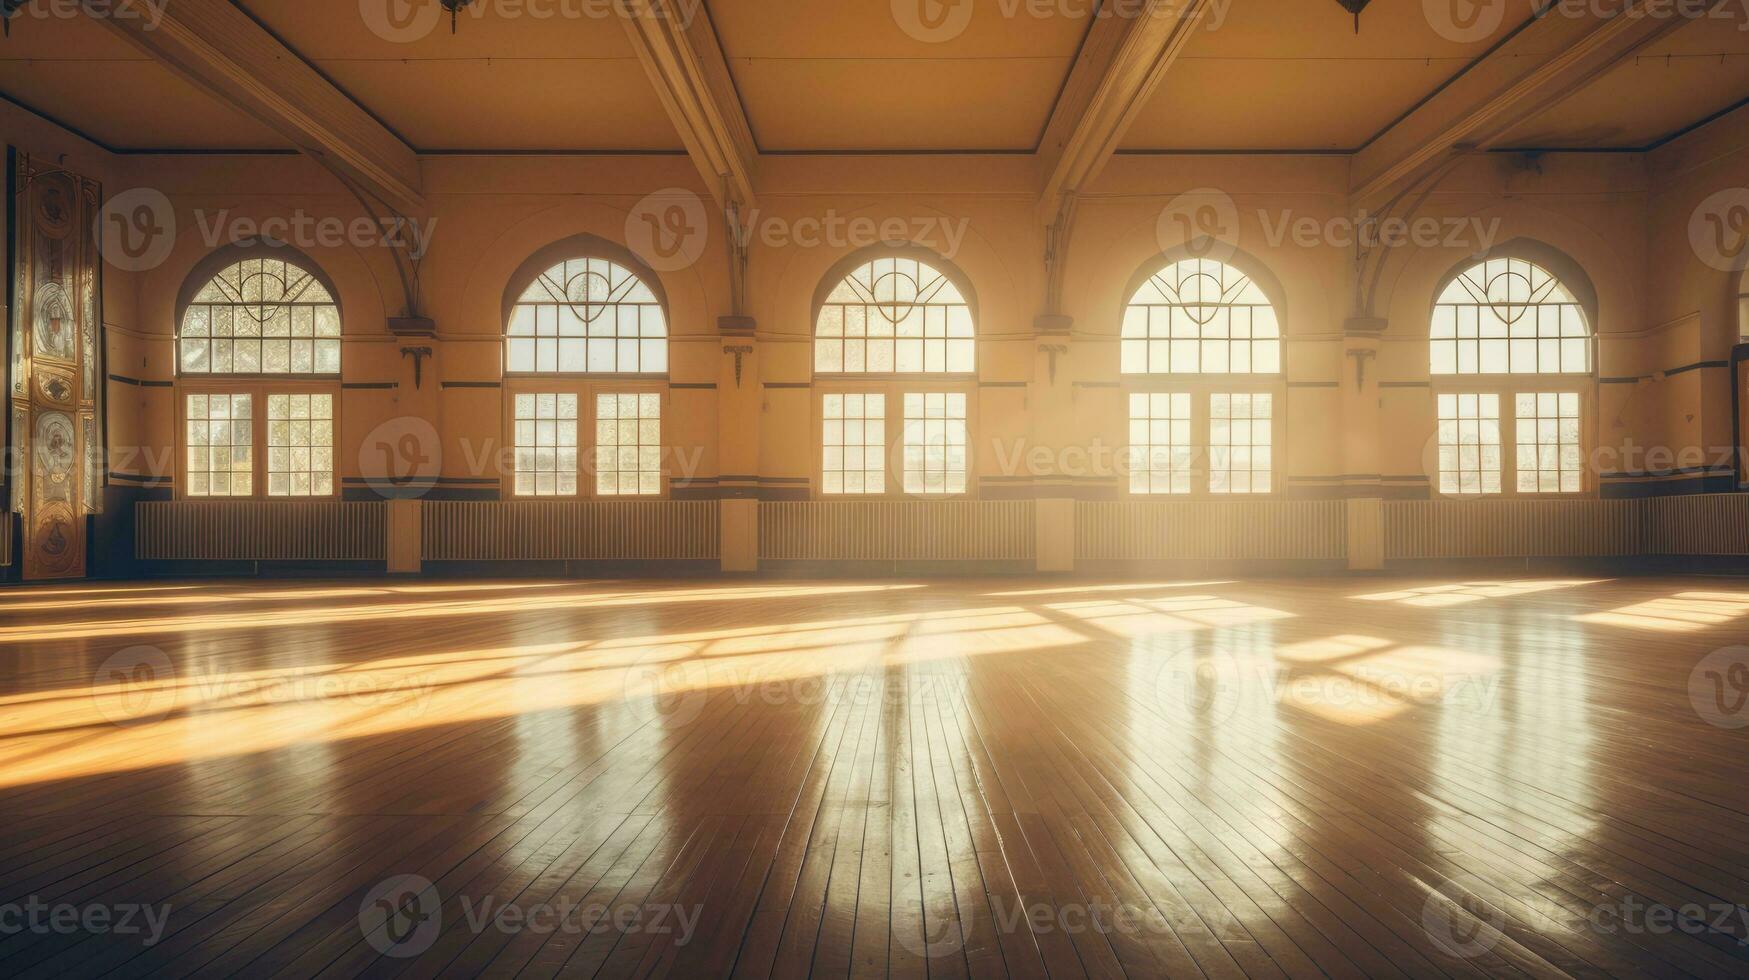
(1624,218)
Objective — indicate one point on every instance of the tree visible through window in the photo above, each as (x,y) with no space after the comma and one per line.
(260,316)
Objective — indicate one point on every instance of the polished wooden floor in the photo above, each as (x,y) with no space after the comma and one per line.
(1347,777)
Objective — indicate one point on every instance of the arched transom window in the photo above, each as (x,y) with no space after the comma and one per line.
(260,316)
(587,316)
(895,315)
(1509,316)
(1200,316)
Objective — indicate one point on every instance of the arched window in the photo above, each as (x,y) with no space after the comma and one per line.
(1496,325)
(587,315)
(260,315)
(894,315)
(1200,316)
(258,357)
(880,320)
(1509,316)
(578,313)
(1214,434)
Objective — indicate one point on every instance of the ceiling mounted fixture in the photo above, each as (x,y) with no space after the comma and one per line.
(454,7)
(1354,7)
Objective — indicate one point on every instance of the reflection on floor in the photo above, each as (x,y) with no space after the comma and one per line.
(914,778)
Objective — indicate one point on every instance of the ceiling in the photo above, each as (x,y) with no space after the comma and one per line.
(847,75)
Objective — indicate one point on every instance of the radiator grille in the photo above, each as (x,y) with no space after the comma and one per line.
(571,530)
(1511,528)
(1211,529)
(897,530)
(1702,524)
(259,530)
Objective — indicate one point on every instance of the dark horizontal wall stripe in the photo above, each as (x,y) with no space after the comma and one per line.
(136,382)
(1698,365)
(440,481)
(369,385)
(789,384)
(1717,483)
(693,386)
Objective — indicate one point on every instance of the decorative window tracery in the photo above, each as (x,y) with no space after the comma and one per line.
(587,315)
(895,315)
(1200,316)
(260,316)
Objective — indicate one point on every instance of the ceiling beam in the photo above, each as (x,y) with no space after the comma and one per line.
(679,49)
(1120,65)
(1549,59)
(219,48)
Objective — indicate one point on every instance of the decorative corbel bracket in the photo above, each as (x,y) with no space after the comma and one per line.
(740,351)
(1054,350)
(419,354)
(1361,356)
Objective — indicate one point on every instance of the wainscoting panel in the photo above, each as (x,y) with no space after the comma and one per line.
(1274,530)
(571,530)
(897,530)
(1511,528)
(255,530)
(1699,524)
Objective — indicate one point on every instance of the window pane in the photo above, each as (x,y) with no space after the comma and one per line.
(1550,458)
(628,448)
(1469,444)
(935,446)
(546,445)
(587,315)
(1240,443)
(1199,316)
(894,315)
(222,330)
(1509,316)
(1160,452)
(853,444)
(300,445)
(219,440)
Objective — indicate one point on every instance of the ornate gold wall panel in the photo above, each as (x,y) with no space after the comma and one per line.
(56,388)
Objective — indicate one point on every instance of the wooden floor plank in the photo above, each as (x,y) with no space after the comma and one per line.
(1268,778)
